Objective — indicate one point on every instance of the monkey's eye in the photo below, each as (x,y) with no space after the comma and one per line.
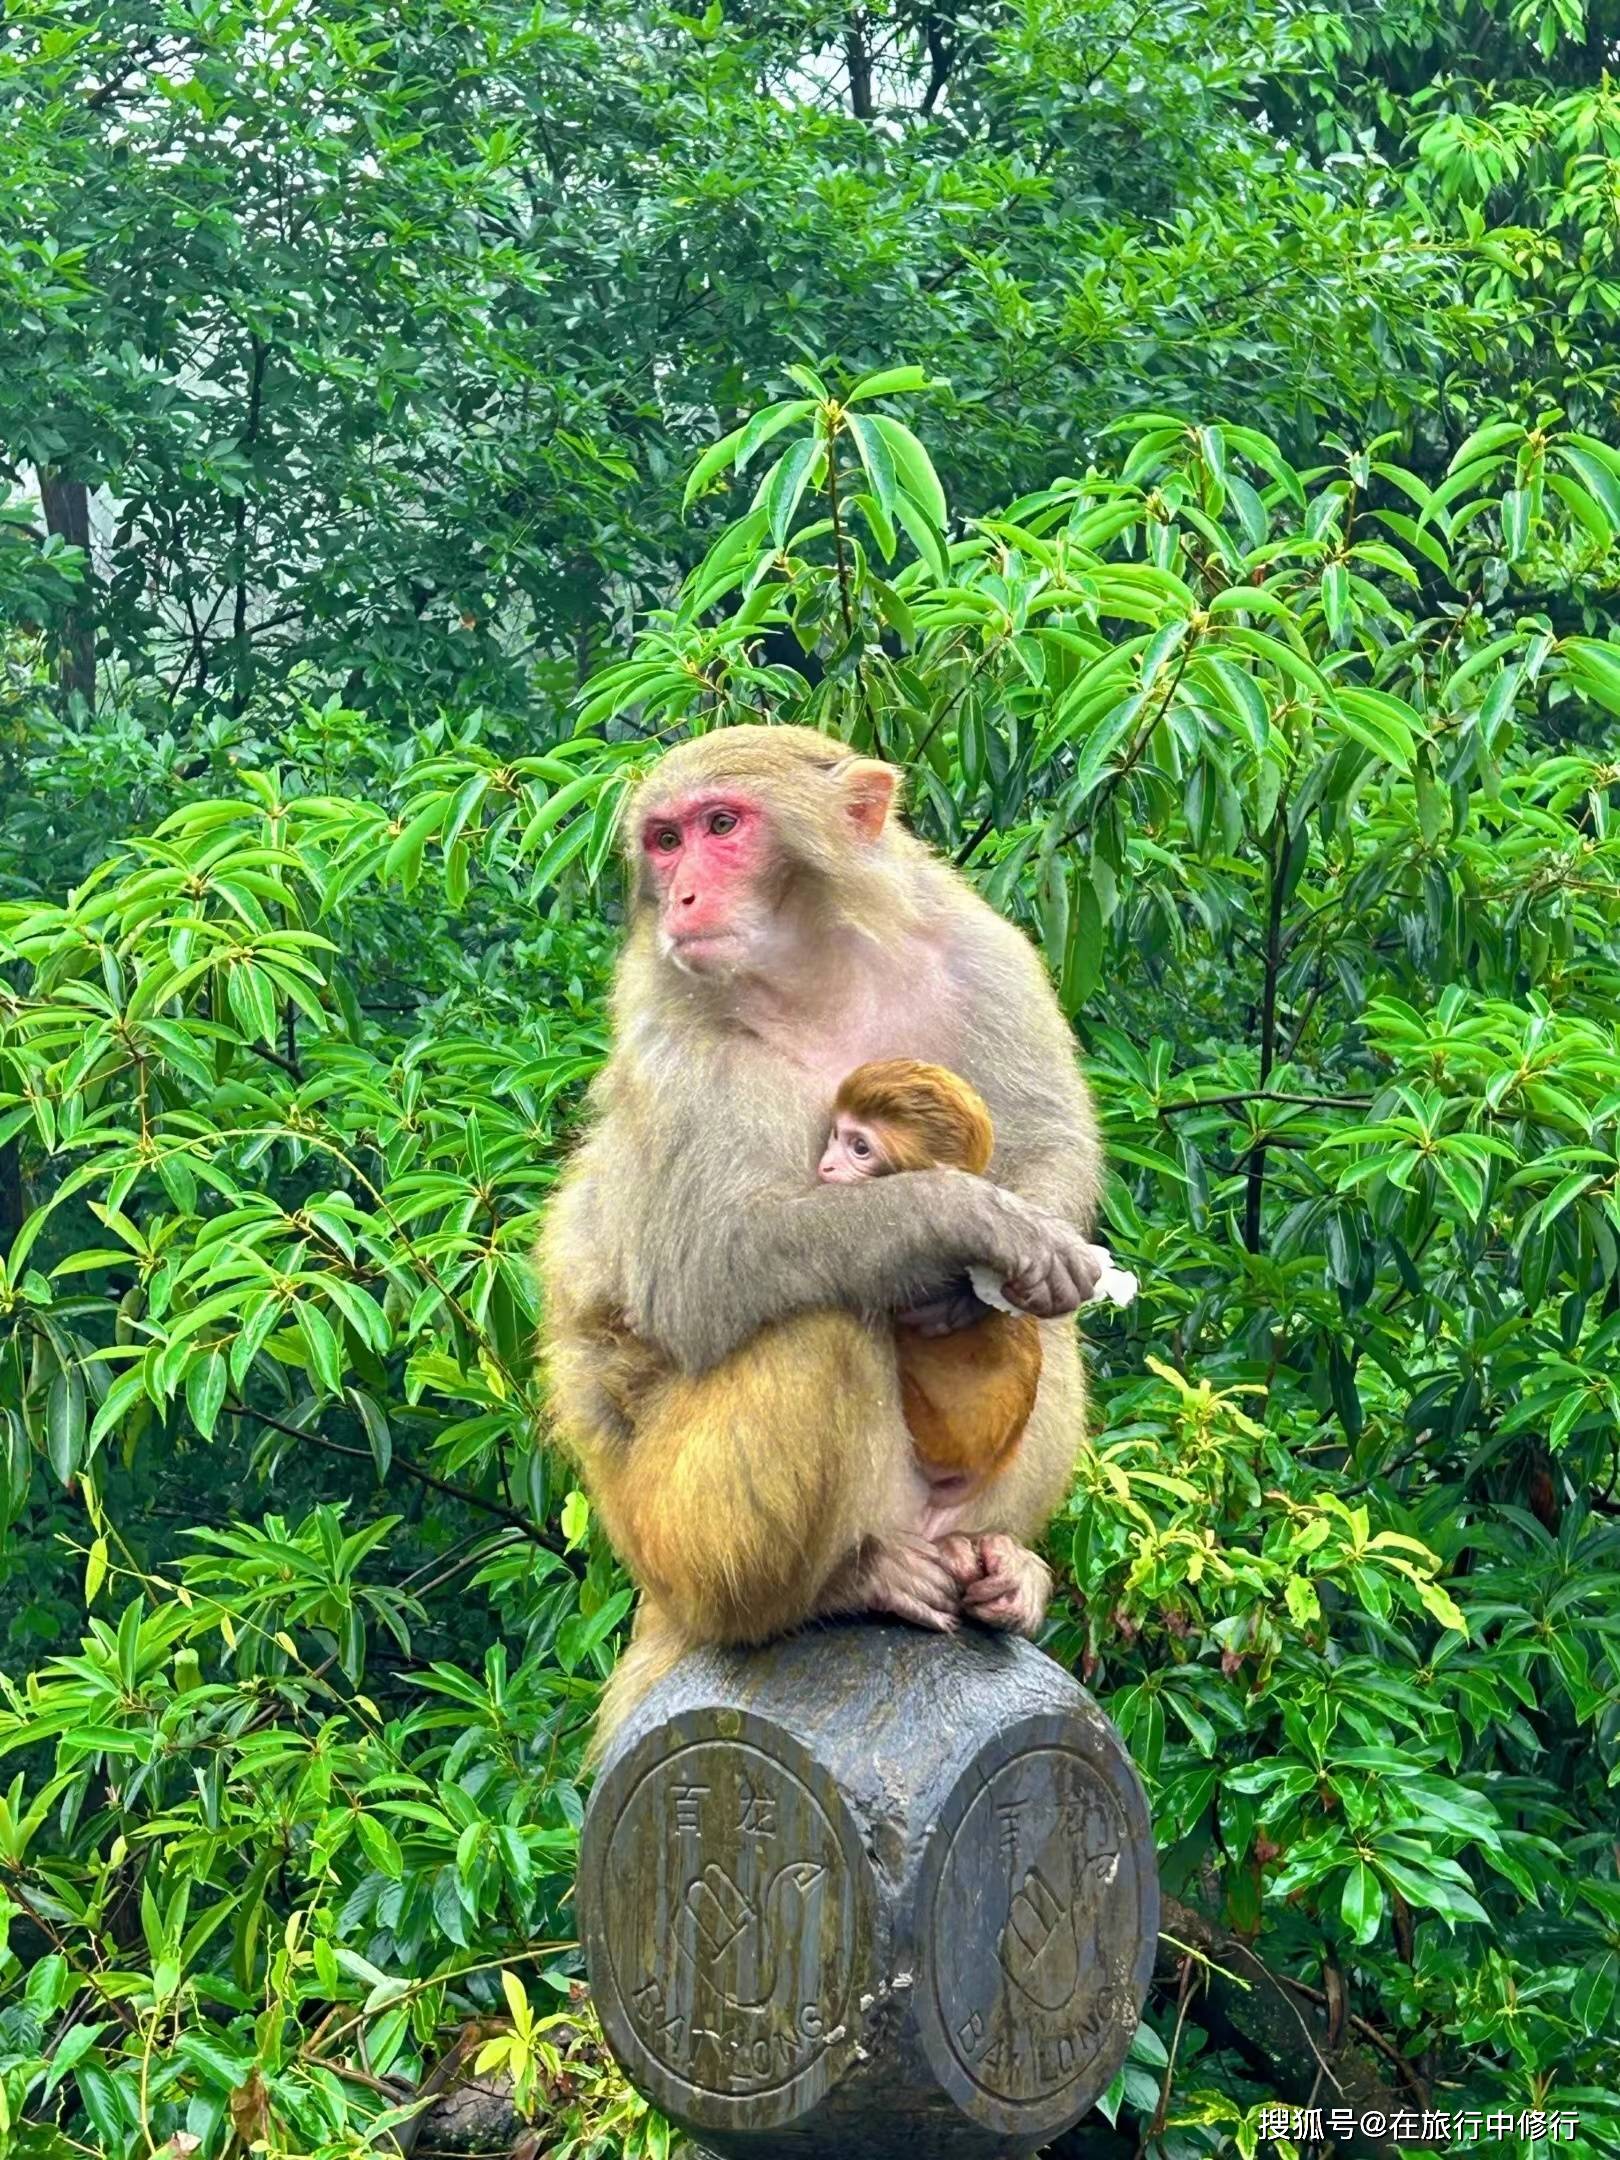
(666,838)
(858,1144)
(722,822)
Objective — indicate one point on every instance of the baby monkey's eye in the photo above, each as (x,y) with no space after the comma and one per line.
(858,1144)
(722,822)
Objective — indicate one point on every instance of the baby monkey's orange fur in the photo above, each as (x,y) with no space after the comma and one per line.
(966,1397)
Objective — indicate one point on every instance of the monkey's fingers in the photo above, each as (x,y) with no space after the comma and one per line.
(1047,1292)
(1013,1591)
(961,1556)
(926,1574)
(1017,1607)
(921,1615)
(1008,1614)
(1058,1281)
(946,1314)
(906,1576)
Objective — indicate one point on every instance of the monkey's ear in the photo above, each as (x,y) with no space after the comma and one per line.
(868,790)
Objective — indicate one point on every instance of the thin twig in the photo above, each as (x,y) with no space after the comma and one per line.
(1265,1095)
(1369,2033)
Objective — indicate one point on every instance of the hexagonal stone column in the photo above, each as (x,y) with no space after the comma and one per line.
(869,1893)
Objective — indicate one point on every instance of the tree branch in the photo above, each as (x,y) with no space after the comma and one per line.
(250,437)
(110,89)
(1263,1095)
(1254,1193)
(423,1476)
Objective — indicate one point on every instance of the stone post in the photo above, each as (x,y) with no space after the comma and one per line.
(869,1894)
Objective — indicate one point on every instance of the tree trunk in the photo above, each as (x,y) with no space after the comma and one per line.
(858,58)
(66,504)
(12,1207)
(1287,2032)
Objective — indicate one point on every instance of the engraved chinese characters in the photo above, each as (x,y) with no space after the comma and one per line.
(869,1892)
(737,1898)
(1041,1850)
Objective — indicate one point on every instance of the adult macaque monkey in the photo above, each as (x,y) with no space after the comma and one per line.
(719,1326)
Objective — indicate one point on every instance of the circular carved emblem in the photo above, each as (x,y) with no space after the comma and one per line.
(728,1915)
(1038,1931)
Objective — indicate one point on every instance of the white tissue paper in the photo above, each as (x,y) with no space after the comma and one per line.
(1116,1284)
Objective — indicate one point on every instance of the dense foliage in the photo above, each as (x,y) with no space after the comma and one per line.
(413,419)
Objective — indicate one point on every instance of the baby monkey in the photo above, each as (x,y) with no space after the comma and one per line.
(966,1393)
(966,1396)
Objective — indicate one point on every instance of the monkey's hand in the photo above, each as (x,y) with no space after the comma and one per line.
(946,1313)
(1013,1589)
(909,1577)
(1046,1267)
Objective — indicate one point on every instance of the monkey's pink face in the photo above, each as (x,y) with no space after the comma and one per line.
(853,1151)
(707,858)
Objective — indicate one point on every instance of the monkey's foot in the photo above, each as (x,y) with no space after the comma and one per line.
(1013,1586)
(911,1578)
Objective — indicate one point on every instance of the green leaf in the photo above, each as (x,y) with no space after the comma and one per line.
(325,1356)
(769,423)
(1108,736)
(65,1422)
(1495,435)
(1304,1606)
(1241,693)
(808,379)
(558,806)
(378,1432)
(206,1380)
(890,382)
(1515,522)
(1595,668)
(713,462)
(380,1847)
(874,455)
(1381,722)
(449,1912)
(1592,1999)
(1441,1606)
(1336,601)
(926,537)
(786,485)
(1361,1905)
(404,857)
(914,469)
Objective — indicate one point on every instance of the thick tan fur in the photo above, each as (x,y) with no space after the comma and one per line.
(746,1482)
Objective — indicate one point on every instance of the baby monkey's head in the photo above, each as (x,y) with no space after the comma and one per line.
(900,1115)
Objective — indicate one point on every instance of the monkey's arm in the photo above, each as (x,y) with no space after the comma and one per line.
(873,1247)
(1062,1181)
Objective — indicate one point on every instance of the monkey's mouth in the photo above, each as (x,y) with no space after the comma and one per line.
(690,949)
